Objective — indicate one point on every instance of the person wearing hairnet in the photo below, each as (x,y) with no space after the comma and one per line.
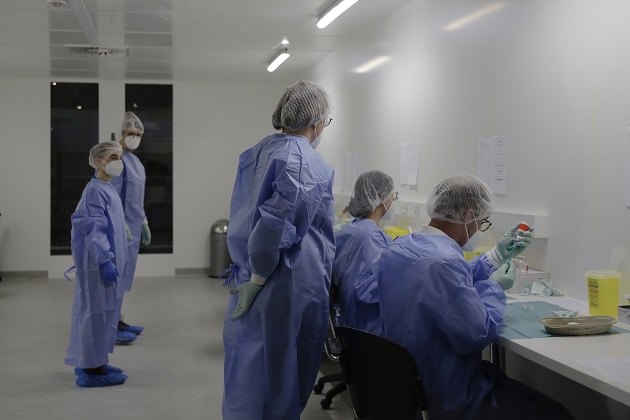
(281,241)
(130,188)
(99,251)
(433,304)
(361,240)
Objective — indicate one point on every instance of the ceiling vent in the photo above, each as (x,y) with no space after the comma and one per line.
(56,4)
(97,51)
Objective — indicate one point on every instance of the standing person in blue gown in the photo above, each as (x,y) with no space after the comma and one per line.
(281,241)
(99,251)
(360,241)
(433,304)
(130,187)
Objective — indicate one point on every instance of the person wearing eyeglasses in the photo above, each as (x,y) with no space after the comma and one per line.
(360,240)
(282,243)
(433,303)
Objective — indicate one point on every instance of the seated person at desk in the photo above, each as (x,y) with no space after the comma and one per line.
(432,304)
(361,240)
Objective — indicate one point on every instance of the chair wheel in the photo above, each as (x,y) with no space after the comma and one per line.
(325,404)
(318,388)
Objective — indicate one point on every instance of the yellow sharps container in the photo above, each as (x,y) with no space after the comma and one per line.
(603,289)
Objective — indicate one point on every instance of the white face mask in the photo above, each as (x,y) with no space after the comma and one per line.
(473,241)
(132,142)
(114,168)
(389,214)
(315,143)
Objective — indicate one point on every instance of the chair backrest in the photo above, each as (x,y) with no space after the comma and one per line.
(382,377)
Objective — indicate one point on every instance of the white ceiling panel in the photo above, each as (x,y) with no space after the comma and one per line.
(176,39)
(67,37)
(62,20)
(65,64)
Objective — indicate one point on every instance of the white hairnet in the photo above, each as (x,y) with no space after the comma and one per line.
(371,189)
(103,151)
(303,104)
(452,197)
(131,122)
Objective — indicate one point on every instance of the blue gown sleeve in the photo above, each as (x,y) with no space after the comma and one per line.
(470,316)
(481,267)
(93,225)
(276,229)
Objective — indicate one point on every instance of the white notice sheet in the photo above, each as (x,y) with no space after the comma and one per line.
(492,167)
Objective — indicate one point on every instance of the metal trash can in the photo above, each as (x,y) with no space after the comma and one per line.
(219,255)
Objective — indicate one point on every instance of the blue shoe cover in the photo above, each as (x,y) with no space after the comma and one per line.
(125,337)
(134,329)
(85,380)
(108,369)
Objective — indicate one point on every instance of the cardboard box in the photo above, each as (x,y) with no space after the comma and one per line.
(624,314)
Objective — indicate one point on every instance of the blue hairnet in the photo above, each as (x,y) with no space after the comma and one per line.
(370,190)
(303,104)
(131,122)
(102,151)
(452,197)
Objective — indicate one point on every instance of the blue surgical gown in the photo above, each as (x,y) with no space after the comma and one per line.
(130,187)
(359,242)
(431,305)
(281,228)
(98,235)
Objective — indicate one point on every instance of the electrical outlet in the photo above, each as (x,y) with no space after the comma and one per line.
(402,208)
(413,210)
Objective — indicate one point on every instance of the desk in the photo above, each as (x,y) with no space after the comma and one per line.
(559,354)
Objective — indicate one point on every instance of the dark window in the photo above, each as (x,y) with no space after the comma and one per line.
(153,104)
(73,132)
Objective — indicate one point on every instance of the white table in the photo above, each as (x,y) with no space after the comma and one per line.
(560,354)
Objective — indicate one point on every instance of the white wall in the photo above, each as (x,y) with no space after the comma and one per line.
(212,122)
(551,75)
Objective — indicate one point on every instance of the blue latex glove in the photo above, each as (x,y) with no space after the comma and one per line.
(145,235)
(246,294)
(513,242)
(128,232)
(110,272)
(504,275)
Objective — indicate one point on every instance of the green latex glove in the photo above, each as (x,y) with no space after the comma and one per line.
(145,235)
(514,242)
(246,294)
(128,232)
(504,276)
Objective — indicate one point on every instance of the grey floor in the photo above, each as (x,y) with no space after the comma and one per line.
(175,367)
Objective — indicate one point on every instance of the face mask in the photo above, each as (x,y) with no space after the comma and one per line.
(389,214)
(114,168)
(132,142)
(473,241)
(315,143)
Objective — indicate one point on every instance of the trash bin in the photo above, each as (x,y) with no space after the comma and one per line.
(219,255)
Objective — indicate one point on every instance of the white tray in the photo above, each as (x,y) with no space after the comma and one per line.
(585,325)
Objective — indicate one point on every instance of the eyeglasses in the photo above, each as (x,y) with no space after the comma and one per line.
(327,121)
(394,196)
(485,225)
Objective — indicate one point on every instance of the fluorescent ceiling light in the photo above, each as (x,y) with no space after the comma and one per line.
(459,23)
(333,12)
(372,64)
(280,58)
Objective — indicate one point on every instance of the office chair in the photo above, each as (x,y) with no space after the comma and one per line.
(382,377)
(332,349)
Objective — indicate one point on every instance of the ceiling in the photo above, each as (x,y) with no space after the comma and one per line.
(175,39)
